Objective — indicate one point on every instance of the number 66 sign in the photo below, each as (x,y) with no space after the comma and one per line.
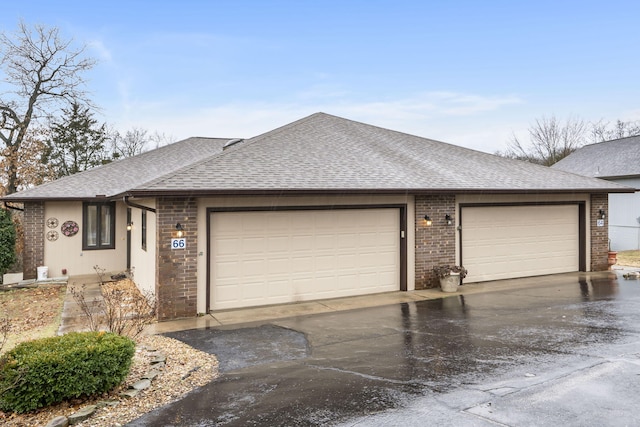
(178,243)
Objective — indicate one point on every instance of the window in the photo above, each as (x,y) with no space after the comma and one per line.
(144,229)
(99,231)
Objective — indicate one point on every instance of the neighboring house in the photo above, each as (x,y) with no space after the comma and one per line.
(616,161)
(323,207)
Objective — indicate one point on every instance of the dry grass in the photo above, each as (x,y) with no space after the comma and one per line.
(629,258)
(33,313)
(185,370)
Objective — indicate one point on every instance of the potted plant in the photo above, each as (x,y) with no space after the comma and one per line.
(612,256)
(450,276)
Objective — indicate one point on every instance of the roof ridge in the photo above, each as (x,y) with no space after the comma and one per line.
(611,140)
(176,171)
(449,144)
(284,127)
(246,143)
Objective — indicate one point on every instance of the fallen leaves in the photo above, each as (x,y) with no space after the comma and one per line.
(32,312)
(35,313)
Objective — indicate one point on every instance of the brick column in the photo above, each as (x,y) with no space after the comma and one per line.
(599,235)
(33,254)
(435,244)
(176,269)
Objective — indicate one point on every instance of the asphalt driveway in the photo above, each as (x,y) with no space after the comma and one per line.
(562,353)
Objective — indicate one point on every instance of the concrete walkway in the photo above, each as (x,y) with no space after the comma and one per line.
(73,319)
(261,314)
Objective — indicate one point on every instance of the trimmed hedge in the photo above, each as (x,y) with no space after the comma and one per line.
(43,372)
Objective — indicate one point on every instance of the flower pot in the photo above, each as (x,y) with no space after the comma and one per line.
(612,258)
(450,283)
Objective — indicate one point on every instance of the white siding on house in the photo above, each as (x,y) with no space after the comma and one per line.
(624,217)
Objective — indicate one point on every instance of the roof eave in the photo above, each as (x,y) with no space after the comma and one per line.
(414,191)
(56,199)
(612,177)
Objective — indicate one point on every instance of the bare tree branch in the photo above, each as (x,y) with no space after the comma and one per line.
(549,141)
(43,73)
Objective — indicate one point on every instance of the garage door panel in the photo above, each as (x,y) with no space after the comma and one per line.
(300,242)
(302,264)
(302,255)
(229,292)
(519,241)
(253,267)
(228,270)
(253,246)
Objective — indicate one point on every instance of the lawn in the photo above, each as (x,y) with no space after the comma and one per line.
(32,313)
(629,258)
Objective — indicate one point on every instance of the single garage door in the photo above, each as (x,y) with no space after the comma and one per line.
(504,242)
(274,257)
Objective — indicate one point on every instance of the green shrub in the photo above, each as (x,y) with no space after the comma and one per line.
(43,372)
(7,241)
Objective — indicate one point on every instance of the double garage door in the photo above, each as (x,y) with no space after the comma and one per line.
(275,257)
(504,242)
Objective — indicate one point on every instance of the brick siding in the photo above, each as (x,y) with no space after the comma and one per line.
(599,235)
(176,269)
(33,255)
(435,244)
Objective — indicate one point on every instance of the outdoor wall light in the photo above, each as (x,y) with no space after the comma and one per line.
(180,230)
(129,225)
(448,219)
(428,220)
(601,214)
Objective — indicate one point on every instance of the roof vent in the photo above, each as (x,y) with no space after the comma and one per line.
(232,142)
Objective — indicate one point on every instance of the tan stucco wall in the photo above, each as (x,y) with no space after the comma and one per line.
(66,252)
(143,262)
(234,202)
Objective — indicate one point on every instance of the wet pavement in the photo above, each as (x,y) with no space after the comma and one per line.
(562,352)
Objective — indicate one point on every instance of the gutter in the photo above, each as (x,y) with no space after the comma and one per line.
(126,201)
(342,191)
(15,208)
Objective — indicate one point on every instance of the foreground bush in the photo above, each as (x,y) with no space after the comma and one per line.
(47,371)
(7,241)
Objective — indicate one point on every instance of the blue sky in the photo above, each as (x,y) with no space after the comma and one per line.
(471,73)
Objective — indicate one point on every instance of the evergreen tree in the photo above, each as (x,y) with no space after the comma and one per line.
(77,142)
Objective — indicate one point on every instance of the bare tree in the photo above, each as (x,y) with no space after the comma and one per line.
(160,139)
(123,308)
(603,131)
(132,143)
(136,141)
(549,141)
(43,72)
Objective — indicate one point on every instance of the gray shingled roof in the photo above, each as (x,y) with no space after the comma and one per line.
(319,153)
(609,159)
(122,175)
(327,153)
